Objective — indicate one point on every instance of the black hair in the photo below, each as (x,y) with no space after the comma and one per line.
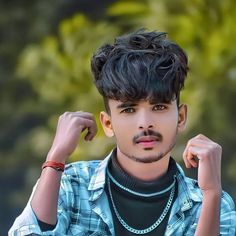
(142,65)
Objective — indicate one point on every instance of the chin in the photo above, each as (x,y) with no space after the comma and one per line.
(147,159)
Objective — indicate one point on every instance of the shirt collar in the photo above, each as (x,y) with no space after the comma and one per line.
(97,182)
(188,190)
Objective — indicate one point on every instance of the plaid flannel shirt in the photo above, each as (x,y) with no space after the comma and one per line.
(83,207)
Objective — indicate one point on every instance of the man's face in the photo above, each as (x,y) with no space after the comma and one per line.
(144,132)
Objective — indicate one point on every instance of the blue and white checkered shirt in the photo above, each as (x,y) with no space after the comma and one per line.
(83,207)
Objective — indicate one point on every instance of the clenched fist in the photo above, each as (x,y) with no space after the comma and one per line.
(70,126)
(205,154)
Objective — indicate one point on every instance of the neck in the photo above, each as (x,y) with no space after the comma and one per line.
(143,171)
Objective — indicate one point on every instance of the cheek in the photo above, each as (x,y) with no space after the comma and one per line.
(123,130)
(170,118)
(168,125)
(119,126)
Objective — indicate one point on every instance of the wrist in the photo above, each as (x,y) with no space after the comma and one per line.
(58,166)
(57,156)
(212,193)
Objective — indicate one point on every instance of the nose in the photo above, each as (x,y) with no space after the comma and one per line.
(146,127)
(145,121)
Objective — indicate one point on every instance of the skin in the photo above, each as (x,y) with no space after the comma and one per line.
(144,157)
(144,160)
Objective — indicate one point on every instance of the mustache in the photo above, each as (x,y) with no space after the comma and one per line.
(148,133)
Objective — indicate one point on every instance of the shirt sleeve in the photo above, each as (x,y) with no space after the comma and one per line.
(44,226)
(227,215)
(27,223)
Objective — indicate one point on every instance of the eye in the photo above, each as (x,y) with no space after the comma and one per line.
(128,110)
(159,107)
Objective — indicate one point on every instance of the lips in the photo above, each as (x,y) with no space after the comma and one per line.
(147,142)
(147,139)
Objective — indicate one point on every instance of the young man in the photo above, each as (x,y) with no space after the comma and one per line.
(138,188)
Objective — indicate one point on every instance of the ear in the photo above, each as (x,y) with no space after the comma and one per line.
(105,120)
(182,117)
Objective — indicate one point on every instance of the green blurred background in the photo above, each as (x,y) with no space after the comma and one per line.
(45,50)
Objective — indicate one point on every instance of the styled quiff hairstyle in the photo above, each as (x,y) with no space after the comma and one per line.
(142,65)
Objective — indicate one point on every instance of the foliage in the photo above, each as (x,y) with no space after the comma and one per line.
(59,68)
(206,30)
(53,76)
(59,71)
(25,133)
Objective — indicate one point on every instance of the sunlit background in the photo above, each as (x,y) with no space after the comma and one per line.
(45,50)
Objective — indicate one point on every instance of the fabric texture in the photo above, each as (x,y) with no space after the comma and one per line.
(140,212)
(83,207)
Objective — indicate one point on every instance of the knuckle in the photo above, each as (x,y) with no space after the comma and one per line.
(76,120)
(80,112)
(66,113)
(190,142)
(216,146)
(199,136)
(63,115)
(90,115)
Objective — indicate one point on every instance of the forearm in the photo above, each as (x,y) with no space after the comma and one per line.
(45,198)
(209,221)
(70,125)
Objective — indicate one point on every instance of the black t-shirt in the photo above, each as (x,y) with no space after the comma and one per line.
(137,211)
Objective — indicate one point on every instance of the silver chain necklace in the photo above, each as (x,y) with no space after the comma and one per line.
(137,193)
(150,228)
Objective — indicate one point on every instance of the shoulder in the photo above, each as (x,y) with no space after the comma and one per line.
(191,197)
(190,186)
(80,172)
(81,168)
(227,203)
(227,214)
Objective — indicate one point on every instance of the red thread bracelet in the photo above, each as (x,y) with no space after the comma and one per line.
(55,165)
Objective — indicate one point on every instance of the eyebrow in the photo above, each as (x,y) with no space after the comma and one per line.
(126,104)
(160,102)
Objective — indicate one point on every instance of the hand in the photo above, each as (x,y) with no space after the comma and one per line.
(205,154)
(70,126)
